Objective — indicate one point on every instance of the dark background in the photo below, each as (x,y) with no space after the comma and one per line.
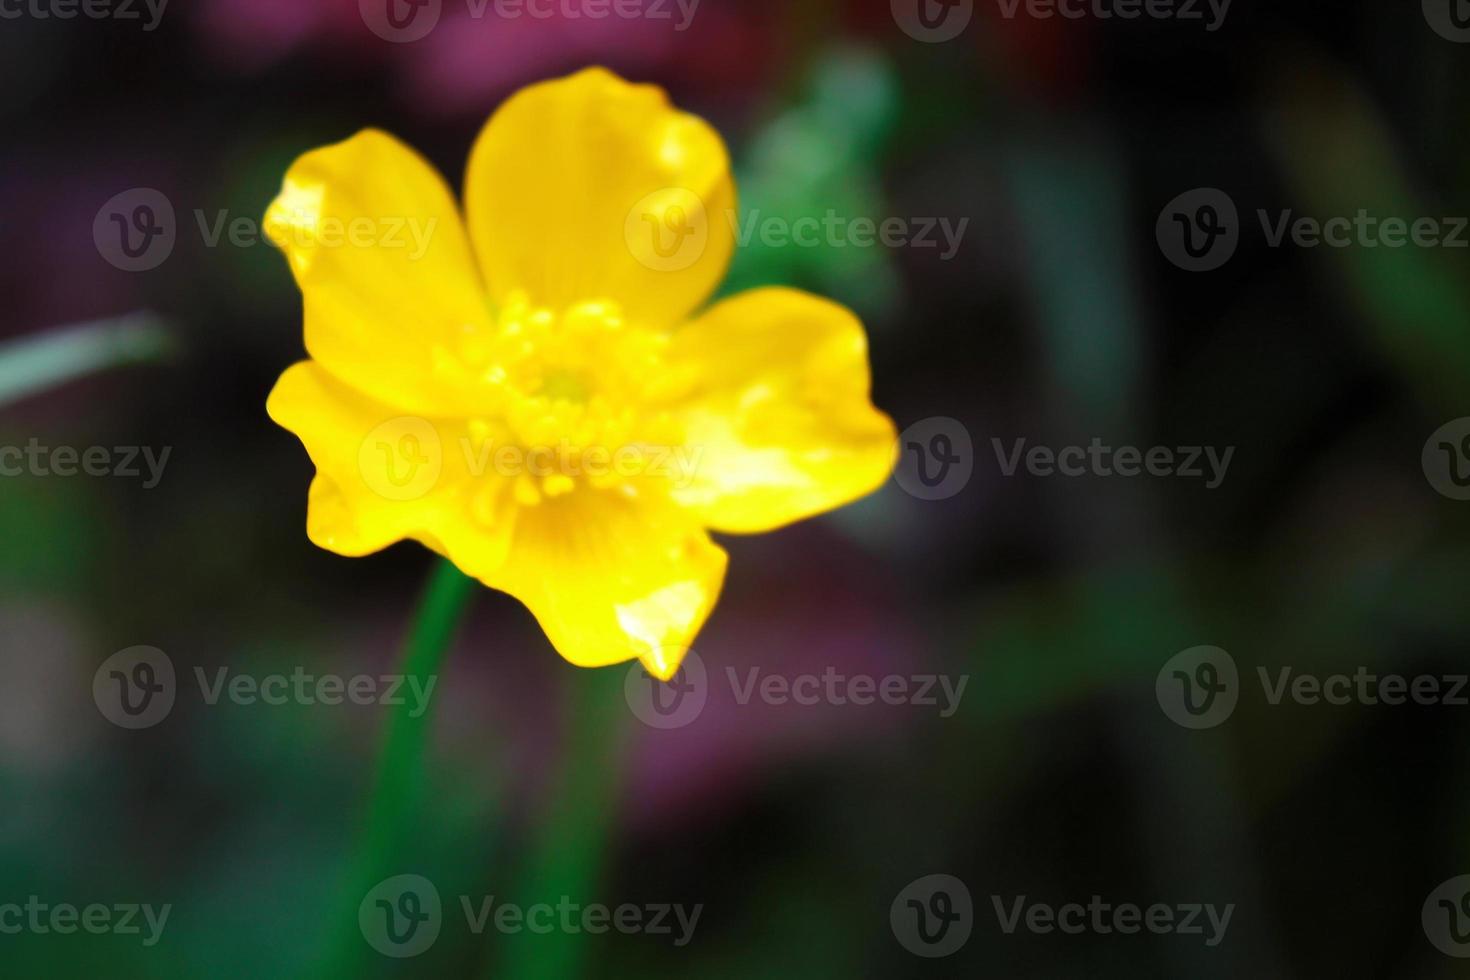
(1326,548)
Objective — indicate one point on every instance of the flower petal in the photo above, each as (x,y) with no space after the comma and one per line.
(383,476)
(589,188)
(611,577)
(385,269)
(775,403)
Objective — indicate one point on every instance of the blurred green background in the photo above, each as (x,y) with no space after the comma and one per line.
(795,827)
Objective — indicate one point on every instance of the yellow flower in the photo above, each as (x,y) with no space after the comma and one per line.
(531,391)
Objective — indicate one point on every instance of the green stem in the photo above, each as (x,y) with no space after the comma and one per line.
(402,779)
(570,852)
(34,363)
(401,784)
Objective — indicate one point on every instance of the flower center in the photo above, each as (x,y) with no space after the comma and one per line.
(566,386)
(565,398)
